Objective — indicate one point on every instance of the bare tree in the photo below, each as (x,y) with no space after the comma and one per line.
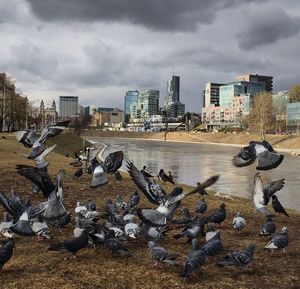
(260,116)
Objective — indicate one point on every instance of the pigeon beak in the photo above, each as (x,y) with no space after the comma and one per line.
(132,236)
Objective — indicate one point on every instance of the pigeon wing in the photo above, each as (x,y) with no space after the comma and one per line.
(272,188)
(152,217)
(268,160)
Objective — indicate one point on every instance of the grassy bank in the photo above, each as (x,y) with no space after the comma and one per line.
(279,141)
(32,266)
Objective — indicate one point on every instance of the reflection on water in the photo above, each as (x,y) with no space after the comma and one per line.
(191,162)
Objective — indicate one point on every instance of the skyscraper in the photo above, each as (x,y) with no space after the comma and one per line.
(68,106)
(267,80)
(173,89)
(130,98)
(212,94)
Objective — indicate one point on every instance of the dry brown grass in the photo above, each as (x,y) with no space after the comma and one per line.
(32,266)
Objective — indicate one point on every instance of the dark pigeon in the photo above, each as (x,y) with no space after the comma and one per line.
(277,207)
(113,162)
(146,173)
(213,245)
(134,199)
(115,246)
(268,228)
(6,251)
(72,245)
(263,152)
(194,260)
(238,258)
(219,216)
(165,178)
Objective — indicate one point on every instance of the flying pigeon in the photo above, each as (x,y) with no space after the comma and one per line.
(218,216)
(238,222)
(277,207)
(268,228)
(113,162)
(27,137)
(6,251)
(263,152)
(161,255)
(72,245)
(194,260)
(238,258)
(201,207)
(259,196)
(167,203)
(165,178)
(279,240)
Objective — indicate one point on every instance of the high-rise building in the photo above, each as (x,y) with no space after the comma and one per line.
(130,98)
(68,106)
(212,94)
(267,80)
(173,89)
(174,109)
(147,104)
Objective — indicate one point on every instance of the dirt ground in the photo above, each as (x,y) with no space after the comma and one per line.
(33,266)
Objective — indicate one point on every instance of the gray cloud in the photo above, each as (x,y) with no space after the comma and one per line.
(166,15)
(266,27)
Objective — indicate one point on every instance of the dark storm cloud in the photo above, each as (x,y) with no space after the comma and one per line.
(267,27)
(164,15)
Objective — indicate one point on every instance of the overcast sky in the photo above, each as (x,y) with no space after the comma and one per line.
(99,49)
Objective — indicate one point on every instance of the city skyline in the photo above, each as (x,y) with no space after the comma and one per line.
(94,52)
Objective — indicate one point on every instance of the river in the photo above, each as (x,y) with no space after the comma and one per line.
(192,162)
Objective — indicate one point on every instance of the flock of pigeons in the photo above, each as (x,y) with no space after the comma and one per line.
(123,220)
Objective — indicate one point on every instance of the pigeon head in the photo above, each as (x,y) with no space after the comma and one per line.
(222,207)
(274,197)
(144,167)
(151,244)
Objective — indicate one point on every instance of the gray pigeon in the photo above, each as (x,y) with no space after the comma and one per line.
(194,260)
(218,216)
(6,251)
(134,199)
(238,222)
(238,258)
(214,245)
(263,152)
(115,246)
(155,233)
(99,178)
(268,228)
(201,206)
(161,255)
(279,241)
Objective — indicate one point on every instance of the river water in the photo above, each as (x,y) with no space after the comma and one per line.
(191,162)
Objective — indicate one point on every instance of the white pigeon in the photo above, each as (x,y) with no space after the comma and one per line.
(238,223)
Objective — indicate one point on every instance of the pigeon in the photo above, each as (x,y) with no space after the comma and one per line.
(113,162)
(83,212)
(191,233)
(120,203)
(40,228)
(132,230)
(219,216)
(118,176)
(238,222)
(98,234)
(90,205)
(167,203)
(277,207)
(263,152)
(78,173)
(155,233)
(268,228)
(6,251)
(63,221)
(146,172)
(165,178)
(187,219)
(5,226)
(238,258)
(23,227)
(214,245)
(201,207)
(115,246)
(27,138)
(161,255)
(259,199)
(40,162)
(210,233)
(194,260)
(99,178)
(279,241)
(72,245)
(134,199)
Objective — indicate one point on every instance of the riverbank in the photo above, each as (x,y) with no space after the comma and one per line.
(287,143)
(34,267)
